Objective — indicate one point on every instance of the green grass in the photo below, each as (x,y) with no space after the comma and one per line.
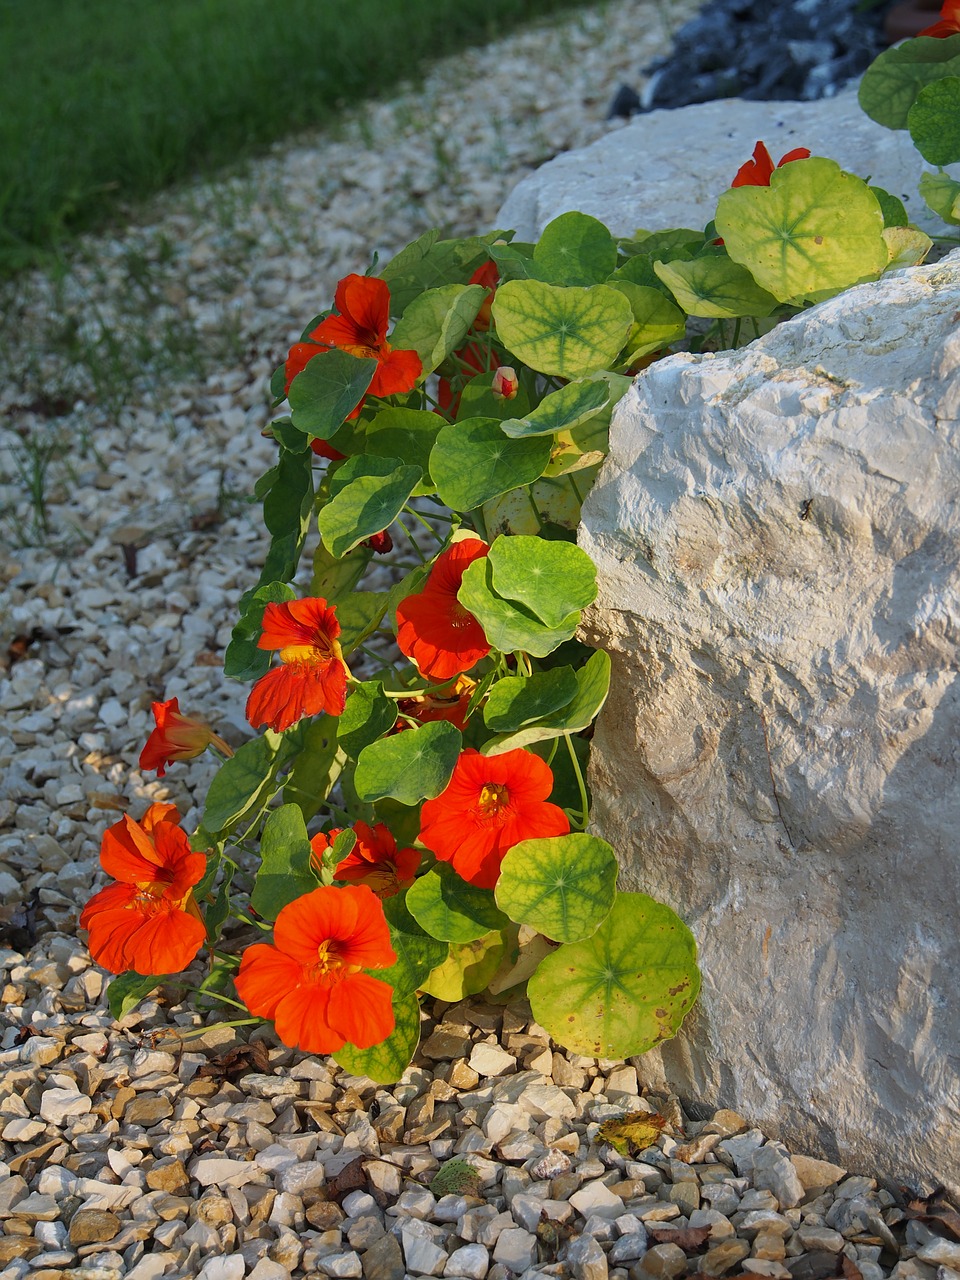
(104,102)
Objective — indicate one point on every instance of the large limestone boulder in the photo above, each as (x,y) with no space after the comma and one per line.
(667,168)
(777,537)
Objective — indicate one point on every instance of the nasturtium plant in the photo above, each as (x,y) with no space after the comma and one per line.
(410,817)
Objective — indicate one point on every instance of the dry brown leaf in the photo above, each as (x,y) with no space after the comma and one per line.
(350,1178)
(237,1062)
(633,1132)
(936,1208)
(688,1238)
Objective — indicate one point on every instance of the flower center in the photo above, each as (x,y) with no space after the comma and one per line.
(329,962)
(151,898)
(493,798)
(309,653)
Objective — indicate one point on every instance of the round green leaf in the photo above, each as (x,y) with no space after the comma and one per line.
(367,715)
(907,246)
(411,766)
(328,388)
(593,684)
(518,700)
(506,626)
(942,195)
(449,908)
(814,228)
(473,461)
(892,207)
(564,331)
(551,579)
(934,121)
(576,249)
(715,287)
(564,886)
(244,781)
(891,83)
(386,1062)
(467,969)
(560,410)
(394,433)
(285,854)
(417,952)
(625,988)
(436,322)
(367,495)
(550,500)
(657,320)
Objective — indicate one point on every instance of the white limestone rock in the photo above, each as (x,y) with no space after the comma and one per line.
(667,168)
(777,536)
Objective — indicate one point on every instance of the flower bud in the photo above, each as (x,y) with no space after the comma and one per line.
(505,383)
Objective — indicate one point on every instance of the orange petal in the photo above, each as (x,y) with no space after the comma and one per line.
(366,301)
(301,1020)
(264,977)
(127,852)
(396,373)
(361,1009)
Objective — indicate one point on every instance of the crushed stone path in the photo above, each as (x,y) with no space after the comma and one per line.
(131,404)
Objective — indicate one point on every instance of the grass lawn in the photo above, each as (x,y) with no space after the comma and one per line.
(103,102)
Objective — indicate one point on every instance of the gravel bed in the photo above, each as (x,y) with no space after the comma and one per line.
(131,405)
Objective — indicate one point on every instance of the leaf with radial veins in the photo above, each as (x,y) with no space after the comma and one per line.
(625,988)
(814,228)
(447,907)
(411,766)
(934,122)
(563,886)
(550,579)
(561,410)
(657,320)
(576,249)
(467,969)
(417,952)
(891,83)
(386,1062)
(367,495)
(506,626)
(473,461)
(518,700)
(593,685)
(569,332)
(329,387)
(715,287)
(436,322)
(284,862)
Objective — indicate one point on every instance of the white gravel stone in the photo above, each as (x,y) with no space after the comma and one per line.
(515,1249)
(470,1260)
(230,1267)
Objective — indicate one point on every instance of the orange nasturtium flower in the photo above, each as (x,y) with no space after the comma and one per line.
(360,329)
(374,860)
(177,737)
(758,171)
(489,276)
(451,706)
(149,921)
(312,675)
(434,630)
(490,804)
(309,981)
(949,23)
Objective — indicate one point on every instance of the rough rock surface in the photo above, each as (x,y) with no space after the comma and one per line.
(666,169)
(778,539)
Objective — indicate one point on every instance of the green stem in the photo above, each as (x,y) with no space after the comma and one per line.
(197,1032)
(584,802)
(412,540)
(429,527)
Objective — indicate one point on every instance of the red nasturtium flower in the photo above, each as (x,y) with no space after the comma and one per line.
(177,737)
(489,276)
(309,981)
(949,23)
(374,860)
(490,804)
(758,171)
(451,706)
(361,329)
(434,630)
(312,675)
(149,921)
